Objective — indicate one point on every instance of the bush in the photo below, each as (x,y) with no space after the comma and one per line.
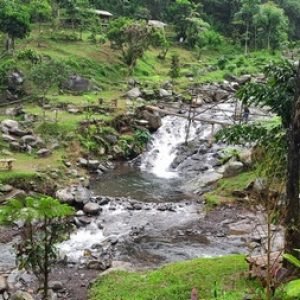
(53,130)
(65,36)
(30,55)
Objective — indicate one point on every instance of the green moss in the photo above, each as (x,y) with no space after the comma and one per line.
(223,191)
(224,276)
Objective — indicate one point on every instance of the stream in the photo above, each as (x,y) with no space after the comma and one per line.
(148,218)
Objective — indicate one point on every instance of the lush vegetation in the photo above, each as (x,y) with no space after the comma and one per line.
(195,41)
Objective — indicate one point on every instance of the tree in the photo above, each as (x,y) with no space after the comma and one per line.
(178,12)
(48,75)
(282,95)
(245,16)
(175,67)
(194,29)
(273,25)
(40,10)
(133,38)
(14,21)
(292,10)
(45,225)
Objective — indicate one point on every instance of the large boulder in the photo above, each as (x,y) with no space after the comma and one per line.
(15,81)
(82,195)
(154,120)
(134,93)
(77,83)
(198,183)
(233,168)
(65,196)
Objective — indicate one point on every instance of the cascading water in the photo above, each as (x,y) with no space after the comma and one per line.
(162,148)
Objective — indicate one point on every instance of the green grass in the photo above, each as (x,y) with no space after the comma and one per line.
(12,177)
(223,191)
(225,275)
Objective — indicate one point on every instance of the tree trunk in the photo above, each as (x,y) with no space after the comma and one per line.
(246,38)
(292,222)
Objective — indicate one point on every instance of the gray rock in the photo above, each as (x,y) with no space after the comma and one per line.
(165,93)
(203,180)
(103,168)
(245,156)
(83,162)
(233,168)
(8,138)
(77,83)
(10,124)
(19,194)
(134,93)
(20,295)
(14,111)
(29,139)
(85,220)
(99,265)
(6,188)
(92,208)
(82,195)
(15,80)
(56,285)
(79,213)
(65,196)
(148,93)
(104,201)
(138,206)
(243,79)
(3,284)
(154,120)
(44,152)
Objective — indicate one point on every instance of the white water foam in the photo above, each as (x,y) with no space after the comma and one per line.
(162,148)
(81,240)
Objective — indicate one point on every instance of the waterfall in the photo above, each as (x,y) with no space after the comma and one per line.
(162,147)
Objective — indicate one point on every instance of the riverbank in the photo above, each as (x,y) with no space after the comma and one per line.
(217,278)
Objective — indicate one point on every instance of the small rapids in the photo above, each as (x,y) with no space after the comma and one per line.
(162,148)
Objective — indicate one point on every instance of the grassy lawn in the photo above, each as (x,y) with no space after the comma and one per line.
(224,277)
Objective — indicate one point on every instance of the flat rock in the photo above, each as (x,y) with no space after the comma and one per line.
(6,188)
(134,93)
(8,138)
(44,152)
(10,123)
(92,208)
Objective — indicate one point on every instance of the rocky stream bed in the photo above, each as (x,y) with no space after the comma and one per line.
(150,212)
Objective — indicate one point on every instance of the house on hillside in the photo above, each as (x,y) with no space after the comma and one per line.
(157,24)
(103,15)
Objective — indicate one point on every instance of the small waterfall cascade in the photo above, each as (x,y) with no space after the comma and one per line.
(162,147)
